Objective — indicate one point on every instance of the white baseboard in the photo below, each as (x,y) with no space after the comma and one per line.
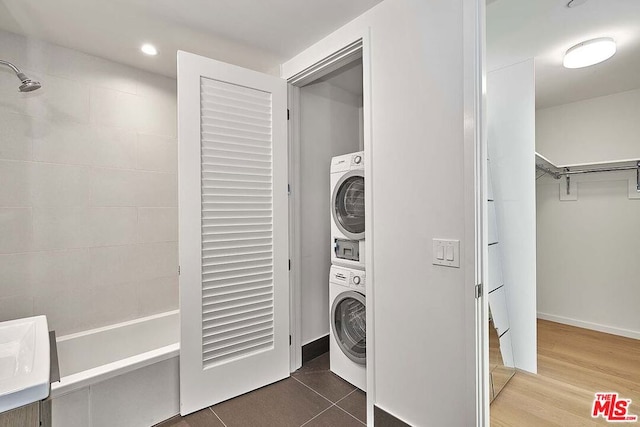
(589,325)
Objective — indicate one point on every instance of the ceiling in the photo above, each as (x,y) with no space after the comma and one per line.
(254,34)
(545,29)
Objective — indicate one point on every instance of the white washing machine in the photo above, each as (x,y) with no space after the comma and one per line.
(347,340)
(347,210)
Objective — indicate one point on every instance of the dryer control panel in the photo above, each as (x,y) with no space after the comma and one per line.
(347,161)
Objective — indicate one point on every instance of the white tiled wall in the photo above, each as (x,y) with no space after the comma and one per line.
(142,397)
(88,189)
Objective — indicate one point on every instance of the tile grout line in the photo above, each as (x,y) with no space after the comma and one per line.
(347,395)
(214,413)
(344,410)
(89,165)
(313,390)
(332,403)
(350,414)
(318,414)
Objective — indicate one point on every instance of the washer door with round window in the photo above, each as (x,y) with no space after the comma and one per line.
(348,321)
(348,205)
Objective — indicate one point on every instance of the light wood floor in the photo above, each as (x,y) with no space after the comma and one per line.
(573,364)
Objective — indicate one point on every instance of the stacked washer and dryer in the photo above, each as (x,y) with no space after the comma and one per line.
(347,295)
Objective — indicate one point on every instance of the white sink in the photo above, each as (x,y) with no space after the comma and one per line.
(24,362)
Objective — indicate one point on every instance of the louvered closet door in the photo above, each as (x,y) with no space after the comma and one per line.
(234,283)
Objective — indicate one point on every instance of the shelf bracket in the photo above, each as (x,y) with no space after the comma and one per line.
(568,179)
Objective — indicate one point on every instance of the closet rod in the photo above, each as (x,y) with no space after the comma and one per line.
(611,169)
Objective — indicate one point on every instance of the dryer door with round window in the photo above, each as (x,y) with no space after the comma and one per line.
(348,321)
(348,205)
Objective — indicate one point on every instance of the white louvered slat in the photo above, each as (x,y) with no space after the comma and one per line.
(229,100)
(221,295)
(239,116)
(244,244)
(213,357)
(235,146)
(237,305)
(212,285)
(235,153)
(245,108)
(247,171)
(234,266)
(250,136)
(217,159)
(236,191)
(218,135)
(237,222)
(233,150)
(209,321)
(208,176)
(238,326)
(211,86)
(212,253)
(224,346)
(245,286)
(235,273)
(217,237)
(257,126)
(231,333)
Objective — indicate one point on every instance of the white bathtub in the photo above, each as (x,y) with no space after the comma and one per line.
(123,375)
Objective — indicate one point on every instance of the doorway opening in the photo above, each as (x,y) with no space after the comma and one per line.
(564,162)
(329,117)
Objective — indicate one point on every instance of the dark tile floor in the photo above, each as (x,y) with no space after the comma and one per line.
(313,396)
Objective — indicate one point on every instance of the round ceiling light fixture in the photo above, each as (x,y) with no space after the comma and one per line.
(576,3)
(149,49)
(590,52)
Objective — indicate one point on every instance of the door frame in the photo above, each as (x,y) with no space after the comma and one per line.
(476,154)
(358,47)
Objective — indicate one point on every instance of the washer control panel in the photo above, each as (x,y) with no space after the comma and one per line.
(354,279)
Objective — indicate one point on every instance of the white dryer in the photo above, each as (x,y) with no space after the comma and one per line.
(347,210)
(347,340)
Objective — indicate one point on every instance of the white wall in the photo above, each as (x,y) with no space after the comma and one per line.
(594,130)
(423,364)
(511,143)
(88,201)
(329,120)
(587,267)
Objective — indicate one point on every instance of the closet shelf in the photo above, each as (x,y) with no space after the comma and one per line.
(558,171)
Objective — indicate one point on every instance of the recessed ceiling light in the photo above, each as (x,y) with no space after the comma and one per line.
(149,49)
(590,52)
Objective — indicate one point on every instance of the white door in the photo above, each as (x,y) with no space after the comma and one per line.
(234,282)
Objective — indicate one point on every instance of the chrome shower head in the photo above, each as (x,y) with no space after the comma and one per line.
(27,85)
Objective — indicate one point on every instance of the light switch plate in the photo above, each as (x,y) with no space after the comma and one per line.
(446,246)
